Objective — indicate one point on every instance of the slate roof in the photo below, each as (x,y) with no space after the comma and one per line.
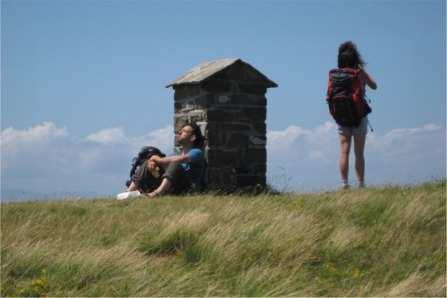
(206,70)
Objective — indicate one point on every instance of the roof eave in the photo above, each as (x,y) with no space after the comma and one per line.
(269,84)
(231,61)
(186,84)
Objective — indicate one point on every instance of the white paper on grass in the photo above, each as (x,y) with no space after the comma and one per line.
(127,195)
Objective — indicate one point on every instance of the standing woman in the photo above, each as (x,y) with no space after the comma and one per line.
(349,57)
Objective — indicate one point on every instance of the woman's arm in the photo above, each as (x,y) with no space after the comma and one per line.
(369,80)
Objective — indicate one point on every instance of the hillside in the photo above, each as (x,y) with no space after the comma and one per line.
(388,241)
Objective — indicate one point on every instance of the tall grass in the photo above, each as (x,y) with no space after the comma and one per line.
(388,241)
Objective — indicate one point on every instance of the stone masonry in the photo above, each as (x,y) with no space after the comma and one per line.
(230,107)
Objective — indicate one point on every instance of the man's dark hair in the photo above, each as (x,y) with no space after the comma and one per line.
(348,56)
(199,141)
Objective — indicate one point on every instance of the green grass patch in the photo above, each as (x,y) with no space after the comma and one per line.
(384,241)
(181,242)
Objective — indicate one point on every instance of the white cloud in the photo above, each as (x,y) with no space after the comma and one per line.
(13,140)
(301,143)
(309,156)
(283,139)
(410,143)
(108,136)
(31,150)
(46,158)
(163,138)
(110,151)
(45,130)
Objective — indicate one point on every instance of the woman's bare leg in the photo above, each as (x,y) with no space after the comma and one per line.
(359,148)
(345,146)
(132,187)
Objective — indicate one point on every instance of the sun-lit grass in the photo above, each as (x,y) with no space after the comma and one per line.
(388,241)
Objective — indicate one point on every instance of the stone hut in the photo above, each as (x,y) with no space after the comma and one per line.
(226,98)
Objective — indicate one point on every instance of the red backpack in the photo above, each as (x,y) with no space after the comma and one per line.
(345,97)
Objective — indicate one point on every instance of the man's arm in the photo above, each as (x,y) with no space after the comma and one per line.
(164,162)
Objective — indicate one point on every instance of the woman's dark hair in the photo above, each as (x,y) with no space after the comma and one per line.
(348,56)
(199,141)
(144,154)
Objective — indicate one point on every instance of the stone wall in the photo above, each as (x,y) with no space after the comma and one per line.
(232,117)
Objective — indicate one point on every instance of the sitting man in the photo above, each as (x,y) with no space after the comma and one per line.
(183,172)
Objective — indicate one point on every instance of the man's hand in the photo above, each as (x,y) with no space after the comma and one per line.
(155,158)
(152,195)
(153,168)
(152,165)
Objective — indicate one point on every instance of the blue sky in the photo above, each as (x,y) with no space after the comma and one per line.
(83,85)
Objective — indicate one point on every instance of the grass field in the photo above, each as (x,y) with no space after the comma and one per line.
(387,241)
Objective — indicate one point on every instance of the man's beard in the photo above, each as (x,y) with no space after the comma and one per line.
(182,143)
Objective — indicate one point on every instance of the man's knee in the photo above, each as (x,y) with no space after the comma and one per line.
(179,179)
(173,170)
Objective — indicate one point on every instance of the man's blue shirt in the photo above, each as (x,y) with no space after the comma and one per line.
(196,167)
